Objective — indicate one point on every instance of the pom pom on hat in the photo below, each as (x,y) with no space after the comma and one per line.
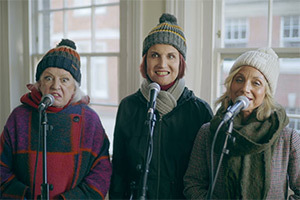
(265,60)
(168,18)
(63,56)
(166,32)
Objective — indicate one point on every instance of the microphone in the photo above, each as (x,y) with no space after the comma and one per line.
(47,100)
(240,103)
(154,89)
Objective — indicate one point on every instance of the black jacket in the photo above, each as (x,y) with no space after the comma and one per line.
(173,138)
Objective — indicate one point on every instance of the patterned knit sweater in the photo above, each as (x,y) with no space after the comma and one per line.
(78,163)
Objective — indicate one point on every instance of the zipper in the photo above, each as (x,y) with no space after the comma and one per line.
(158,163)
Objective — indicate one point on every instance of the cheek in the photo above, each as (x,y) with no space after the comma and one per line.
(149,67)
(176,68)
(233,89)
(43,88)
(260,96)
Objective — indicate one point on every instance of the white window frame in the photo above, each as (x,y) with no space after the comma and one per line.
(205,50)
(88,56)
(241,25)
(290,38)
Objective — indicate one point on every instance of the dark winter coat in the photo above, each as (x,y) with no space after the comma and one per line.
(173,138)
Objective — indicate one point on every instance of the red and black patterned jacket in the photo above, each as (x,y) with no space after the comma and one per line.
(77,154)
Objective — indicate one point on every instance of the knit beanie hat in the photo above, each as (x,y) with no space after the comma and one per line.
(63,56)
(265,60)
(166,32)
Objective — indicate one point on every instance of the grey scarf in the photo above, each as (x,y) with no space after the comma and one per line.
(166,100)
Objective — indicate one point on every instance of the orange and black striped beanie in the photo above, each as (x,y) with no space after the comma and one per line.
(166,32)
(64,56)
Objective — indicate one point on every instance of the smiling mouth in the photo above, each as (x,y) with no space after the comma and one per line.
(162,73)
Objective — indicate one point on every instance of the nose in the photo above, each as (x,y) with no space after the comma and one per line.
(246,88)
(163,61)
(56,84)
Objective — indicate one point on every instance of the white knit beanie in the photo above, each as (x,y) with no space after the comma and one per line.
(263,59)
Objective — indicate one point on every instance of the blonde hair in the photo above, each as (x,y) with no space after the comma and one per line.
(263,111)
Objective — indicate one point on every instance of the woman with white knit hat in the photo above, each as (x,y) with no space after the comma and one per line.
(264,159)
(179,115)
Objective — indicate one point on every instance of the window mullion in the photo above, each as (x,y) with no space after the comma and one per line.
(270,22)
(93,31)
(88,75)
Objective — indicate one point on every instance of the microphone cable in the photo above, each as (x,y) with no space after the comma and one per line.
(212,174)
(37,154)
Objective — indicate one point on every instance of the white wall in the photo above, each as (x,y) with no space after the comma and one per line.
(14,53)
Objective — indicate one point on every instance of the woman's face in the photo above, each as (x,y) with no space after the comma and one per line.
(58,82)
(251,83)
(163,64)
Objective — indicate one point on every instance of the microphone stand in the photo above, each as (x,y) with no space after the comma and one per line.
(151,122)
(224,151)
(45,187)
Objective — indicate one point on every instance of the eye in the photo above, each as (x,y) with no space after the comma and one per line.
(239,79)
(154,55)
(257,83)
(172,56)
(48,78)
(65,80)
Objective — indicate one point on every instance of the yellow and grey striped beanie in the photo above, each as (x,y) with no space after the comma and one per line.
(166,32)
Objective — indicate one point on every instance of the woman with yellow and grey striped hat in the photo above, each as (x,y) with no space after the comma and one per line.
(178,116)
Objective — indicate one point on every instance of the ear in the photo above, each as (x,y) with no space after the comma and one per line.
(37,85)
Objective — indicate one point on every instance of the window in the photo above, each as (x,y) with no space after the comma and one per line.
(290,31)
(255,27)
(94,25)
(236,32)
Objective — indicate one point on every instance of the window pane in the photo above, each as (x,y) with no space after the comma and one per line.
(57,4)
(247,27)
(106,1)
(288,87)
(79,28)
(84,79)
(286,17)
(288,90)
(57,28)
(107,31)
(104,84)
(78,3)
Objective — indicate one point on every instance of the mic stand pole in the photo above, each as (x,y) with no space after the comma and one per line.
(151,123)
(45,186)
(224,151)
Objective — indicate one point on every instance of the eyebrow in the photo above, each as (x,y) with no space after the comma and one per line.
(257,77)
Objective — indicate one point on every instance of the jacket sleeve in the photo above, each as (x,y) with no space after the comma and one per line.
(11,187)
(119,181)
(96,183)
(294,166)
(196,179)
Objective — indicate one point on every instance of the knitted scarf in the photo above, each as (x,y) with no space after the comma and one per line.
(166,100)
(34,97)
(247,168)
